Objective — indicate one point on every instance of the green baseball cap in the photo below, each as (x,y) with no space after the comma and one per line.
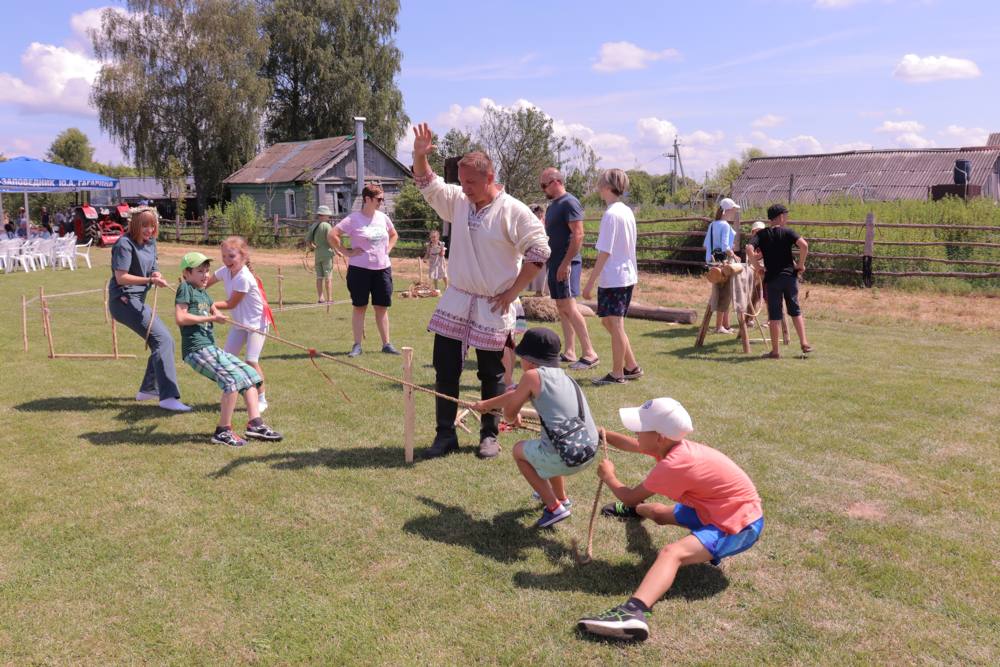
(193,260)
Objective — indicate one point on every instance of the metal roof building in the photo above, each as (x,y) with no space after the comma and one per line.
(871,175)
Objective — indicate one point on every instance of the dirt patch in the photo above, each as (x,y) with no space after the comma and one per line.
(865,511)
(824,302)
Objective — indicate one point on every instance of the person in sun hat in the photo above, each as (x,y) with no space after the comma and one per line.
(718,245)
(715,500)
(546,461)
(195,314)
(316,237)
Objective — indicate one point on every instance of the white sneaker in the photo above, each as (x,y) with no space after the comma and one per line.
(144,396)
(175,405)
(262,404)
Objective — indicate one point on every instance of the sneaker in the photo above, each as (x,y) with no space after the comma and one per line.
(442,446)
(262,432)
(389,348)
(261,404)
(489,448)
(146,396)
(633,374)
(228,438)
(618,623)
(549,519)
(609,379)
(174,405)
(723,330)
(619,510)
(355,350)
(537,498)
(583,364)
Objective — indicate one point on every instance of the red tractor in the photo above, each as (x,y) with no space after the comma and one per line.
(103,227)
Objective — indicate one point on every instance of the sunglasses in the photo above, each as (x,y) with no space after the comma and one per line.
(546,185)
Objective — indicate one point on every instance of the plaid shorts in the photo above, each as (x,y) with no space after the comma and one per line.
(227,370)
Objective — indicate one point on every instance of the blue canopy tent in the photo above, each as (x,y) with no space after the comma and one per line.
(25,174)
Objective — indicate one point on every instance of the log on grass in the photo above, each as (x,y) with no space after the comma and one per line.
(658,313)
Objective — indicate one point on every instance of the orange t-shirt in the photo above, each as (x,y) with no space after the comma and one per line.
(708,481)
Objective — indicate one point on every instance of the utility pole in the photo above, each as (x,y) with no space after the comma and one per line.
(675,162)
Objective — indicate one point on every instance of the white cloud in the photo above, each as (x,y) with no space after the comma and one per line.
(913,140)
(656,131)
(618,56)
(836,4)
(916,69)
(463,118)
(899,127)
(965,136)
(81,24)
(851,146)
(702,138)
(797,145)
(768,120)
(53,79)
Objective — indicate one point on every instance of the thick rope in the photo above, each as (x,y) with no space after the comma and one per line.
(86,291)
(589,554)
(152,317)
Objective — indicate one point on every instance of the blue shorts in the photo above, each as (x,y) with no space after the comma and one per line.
(718,542)
(567,288)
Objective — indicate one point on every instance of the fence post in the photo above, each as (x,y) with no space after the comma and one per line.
(791,187)
(866,259)
(204,228)
(275,229)
(177,228)
(737,223)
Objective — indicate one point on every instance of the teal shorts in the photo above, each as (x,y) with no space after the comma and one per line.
(544,458)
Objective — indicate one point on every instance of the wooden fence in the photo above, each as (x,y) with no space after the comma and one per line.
(679,248)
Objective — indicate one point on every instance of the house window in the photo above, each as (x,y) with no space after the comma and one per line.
(290,203)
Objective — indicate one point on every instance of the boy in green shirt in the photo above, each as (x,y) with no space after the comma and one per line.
(194,313)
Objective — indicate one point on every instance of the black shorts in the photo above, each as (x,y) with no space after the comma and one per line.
(568,288)
(783,287)
(377,283)
(613,301)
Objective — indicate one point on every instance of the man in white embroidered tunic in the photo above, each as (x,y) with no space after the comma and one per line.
(491,233)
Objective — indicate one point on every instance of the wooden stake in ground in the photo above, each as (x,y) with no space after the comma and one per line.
(281,290)
(409,406)
(46,322)
(24,321)
(114,340)
(107,315)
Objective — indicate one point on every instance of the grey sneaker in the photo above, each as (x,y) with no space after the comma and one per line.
(389,348)
(489,448)
(355,350)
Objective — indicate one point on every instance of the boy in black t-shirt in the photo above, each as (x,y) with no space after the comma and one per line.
(781,281)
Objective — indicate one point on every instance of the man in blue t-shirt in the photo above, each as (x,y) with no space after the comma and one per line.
(564,225)
(781,274)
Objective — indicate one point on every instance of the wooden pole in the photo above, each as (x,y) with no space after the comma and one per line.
(704,326)
(24,321)
(409,408)
(177,228)
(47,321)
(866,260)
(281,288)
(92,356)
(107,316)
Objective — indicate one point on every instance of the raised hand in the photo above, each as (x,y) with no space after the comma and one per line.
(423,140)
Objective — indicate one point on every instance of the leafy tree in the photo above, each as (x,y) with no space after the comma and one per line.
(521,143)
(456,143)
(331,60)
(580,166)
(412,211)
(641,188)
(115,170)
(71,148)
(181,78)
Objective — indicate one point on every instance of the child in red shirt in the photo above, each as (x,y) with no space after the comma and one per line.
(716,501)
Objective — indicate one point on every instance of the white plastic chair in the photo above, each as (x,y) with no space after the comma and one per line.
(86,252)
(64,252)
(21,256)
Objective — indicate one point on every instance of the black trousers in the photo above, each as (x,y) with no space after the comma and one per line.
(448,364)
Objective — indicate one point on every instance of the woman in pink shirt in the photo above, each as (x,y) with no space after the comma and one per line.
(369,271)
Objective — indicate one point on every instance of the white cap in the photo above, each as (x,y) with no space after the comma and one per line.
(663,415)
(727,204)
(324,210)
(757,225)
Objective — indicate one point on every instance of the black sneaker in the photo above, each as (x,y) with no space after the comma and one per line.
(228,438)
(442,446)
(619,510)
(618,623)
(262,432)
(609,379)
(633,374)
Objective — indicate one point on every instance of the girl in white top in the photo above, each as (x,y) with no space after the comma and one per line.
(246,299)
(616,273)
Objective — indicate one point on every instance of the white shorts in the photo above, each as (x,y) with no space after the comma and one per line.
(254,341)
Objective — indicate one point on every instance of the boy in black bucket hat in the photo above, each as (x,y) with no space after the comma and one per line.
(569,436)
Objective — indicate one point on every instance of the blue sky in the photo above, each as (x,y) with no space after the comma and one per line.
(787,76)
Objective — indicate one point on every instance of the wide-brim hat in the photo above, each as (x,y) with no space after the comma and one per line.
(324,210)
(540,346)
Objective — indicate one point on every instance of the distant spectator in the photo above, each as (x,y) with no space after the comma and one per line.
(22,223)
(718,244)
(540,283)
(8,231)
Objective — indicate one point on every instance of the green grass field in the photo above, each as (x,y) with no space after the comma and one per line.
(126,538)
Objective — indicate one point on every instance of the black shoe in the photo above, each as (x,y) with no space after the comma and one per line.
(619,510)
(262,432)
(618,623)
(609,379)
(228,438)
(633,374)
(442,446)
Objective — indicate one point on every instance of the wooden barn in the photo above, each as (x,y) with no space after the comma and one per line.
(873,175)
(289,178)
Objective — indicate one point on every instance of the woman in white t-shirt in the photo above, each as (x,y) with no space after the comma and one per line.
(246,299)
(615,273)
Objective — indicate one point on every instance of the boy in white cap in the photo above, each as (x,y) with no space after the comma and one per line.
(716,501)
